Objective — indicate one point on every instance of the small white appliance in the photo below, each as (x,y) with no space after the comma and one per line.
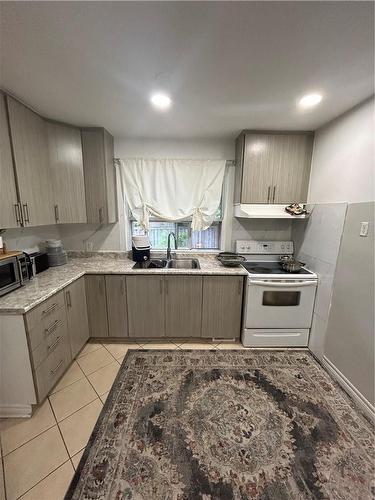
(279,305)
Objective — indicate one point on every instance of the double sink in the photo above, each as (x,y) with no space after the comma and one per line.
(168,264)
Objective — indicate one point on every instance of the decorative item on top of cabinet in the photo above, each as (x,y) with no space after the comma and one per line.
(99,173)
(96,305)
(76,313)
(10,214)
(30,154)
(222,306)
(117,305)
(273,167)
(66,164)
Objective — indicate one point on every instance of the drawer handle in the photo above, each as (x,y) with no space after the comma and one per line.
(55,344)
(50,309)
(52,328)
(57,367)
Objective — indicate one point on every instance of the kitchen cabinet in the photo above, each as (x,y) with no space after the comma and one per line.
(96,305)
(9,208)
(76,313)
(222,306)
(116,305)
(183,306)
(145,297)
(99,173)
(66,166)
(30,149)
(273,167)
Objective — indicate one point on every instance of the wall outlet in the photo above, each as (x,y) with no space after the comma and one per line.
(89,246)
(364,229)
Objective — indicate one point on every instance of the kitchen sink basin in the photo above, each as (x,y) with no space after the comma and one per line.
(151,264)
(183,264)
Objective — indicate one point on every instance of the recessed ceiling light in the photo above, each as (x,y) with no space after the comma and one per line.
(161,101)
(310,100)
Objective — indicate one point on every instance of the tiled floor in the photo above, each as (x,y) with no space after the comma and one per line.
(39,455)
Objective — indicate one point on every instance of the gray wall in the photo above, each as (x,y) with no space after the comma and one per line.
(350,332)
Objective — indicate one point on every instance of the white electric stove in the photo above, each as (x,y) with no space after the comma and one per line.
(278,305)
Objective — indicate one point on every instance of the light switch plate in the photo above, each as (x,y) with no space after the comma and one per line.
(364,229)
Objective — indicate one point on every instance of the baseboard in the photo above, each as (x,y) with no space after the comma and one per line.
(367,408)
(15,411)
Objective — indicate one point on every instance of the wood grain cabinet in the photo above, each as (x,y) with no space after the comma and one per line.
(183,306)
(66,165)
(96,305)
(117,306)
(273,167)
(76,314)
(145,296)
(222,306)
(99,173)
(9,208)
(30,149)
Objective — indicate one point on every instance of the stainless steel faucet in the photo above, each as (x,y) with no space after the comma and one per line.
(169,245)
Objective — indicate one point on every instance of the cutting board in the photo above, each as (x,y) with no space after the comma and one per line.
(9,254)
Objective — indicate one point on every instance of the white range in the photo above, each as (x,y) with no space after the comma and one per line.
(279,305)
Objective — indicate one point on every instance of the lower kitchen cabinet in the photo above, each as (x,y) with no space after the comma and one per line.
(145,306)
(76,313)
(96,305)
(116,305)
(183,306)
(222,306)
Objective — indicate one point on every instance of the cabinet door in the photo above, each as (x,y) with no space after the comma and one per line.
(96,305)
(292,168)
(29,139)
(145,297)
(66,164)
(110,178)
(76,309)
(9,211)
(222,306)
(116,306)
(258,166)
(183,306)
(240,146)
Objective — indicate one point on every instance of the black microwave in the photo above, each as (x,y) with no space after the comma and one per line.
(13,272)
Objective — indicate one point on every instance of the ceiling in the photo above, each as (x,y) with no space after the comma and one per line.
(226,65)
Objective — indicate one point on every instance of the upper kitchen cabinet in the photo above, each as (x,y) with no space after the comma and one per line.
(9,208)
(66,164)
(273,167)
(99,172)
(30,149)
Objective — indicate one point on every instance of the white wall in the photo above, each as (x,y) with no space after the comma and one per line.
(343,158)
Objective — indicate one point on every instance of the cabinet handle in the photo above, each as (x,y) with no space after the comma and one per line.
(17,208)
(50,309)
(57,217)
(26,217)
(51,328)
(240,286)
(68,299)
(268,194)
(274,192)
(123,286)
(54,345)
(57,367)
(100,215)
(161,285)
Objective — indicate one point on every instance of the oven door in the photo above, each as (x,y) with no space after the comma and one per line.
(280,304)
(10,277)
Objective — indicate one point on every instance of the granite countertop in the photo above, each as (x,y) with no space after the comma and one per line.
(55,279)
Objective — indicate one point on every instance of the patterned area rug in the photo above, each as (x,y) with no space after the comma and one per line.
(181,425)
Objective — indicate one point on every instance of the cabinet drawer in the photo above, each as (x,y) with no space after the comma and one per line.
(51,369)
(49,344)
(46,327)
(44,312)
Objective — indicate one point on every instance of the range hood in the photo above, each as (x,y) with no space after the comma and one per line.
(265,211)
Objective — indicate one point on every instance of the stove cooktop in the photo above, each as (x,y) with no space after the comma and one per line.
(270,268)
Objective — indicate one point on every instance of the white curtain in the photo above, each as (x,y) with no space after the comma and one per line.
(173,189)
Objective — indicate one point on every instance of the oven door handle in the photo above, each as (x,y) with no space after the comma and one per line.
(283,285)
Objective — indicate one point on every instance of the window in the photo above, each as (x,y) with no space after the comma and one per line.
(186,238)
